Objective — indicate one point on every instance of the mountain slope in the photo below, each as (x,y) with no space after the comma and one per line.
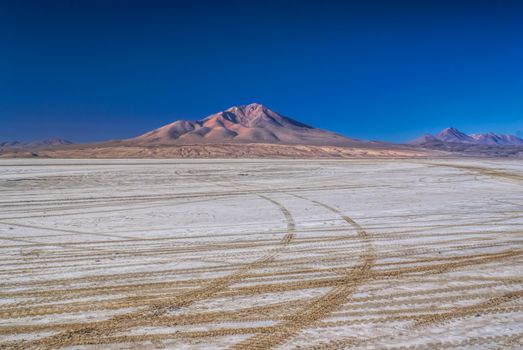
(423,139)
(252,123)
(453,135)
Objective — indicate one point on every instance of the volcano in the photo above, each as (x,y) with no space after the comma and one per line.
(252,123)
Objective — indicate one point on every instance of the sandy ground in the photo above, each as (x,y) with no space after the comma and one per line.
(132,150)
(261,254)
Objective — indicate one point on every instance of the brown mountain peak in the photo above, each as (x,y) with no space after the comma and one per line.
(251,123)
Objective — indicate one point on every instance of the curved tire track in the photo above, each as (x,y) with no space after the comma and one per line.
(87,332)
(323,305)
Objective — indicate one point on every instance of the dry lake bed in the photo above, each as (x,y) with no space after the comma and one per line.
(261,254)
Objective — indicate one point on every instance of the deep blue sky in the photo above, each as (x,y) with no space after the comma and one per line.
(388,70)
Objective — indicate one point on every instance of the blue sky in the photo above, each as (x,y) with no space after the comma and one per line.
(383,70)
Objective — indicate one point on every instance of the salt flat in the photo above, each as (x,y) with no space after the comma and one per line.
(261,254)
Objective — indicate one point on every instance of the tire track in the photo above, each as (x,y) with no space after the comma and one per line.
(400,289)
(323,305)
(85,333)
(461,312)
(505,175)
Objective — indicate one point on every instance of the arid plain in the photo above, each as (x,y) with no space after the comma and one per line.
(261,254)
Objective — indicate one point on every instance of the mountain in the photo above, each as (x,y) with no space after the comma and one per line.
(253,123)
(35,144)
(497,139)
(453,135)
(50,142)
(10,144)
(477,145)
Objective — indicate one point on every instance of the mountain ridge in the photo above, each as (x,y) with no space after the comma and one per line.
(55,141)
(254,130)
(453,135)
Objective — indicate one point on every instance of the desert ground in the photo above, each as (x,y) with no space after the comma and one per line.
(261,254)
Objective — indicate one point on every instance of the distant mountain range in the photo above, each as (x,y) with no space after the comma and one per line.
(35,144)
(253,123)
(249,131)
(453,135)
(255,131)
